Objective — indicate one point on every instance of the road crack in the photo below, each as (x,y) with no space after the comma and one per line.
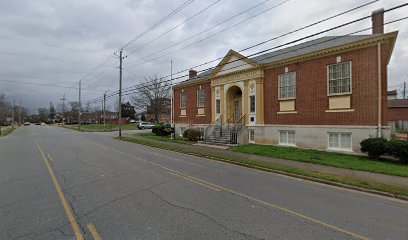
(204,215)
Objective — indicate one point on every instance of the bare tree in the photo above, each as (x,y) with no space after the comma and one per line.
(153,96)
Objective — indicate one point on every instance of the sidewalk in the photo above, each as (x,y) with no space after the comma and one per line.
(355,174)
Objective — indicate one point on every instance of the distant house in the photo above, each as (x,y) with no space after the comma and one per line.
(391,95)
(329,93)
(398,114)
(163,116)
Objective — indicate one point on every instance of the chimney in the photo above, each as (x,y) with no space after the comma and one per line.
(377,19)
(192,73)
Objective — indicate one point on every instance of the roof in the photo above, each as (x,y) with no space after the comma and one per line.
(296,50)
(398,103)
(308,47)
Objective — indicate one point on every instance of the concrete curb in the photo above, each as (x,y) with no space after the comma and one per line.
(366,190)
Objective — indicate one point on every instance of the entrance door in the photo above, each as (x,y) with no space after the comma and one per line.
(237,107)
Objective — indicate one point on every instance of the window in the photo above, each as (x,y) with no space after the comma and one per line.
(339,77)
(287,85)
(251,103)
(287,138)
(251,135)
(183,99)
(340,141)
(218,106)
(182,129)
(200,98)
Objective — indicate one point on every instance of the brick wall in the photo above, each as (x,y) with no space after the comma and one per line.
(311,91)
(191,104)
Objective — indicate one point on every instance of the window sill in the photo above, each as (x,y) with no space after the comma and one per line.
(286,145)
(338,94)
(200,115)
(285,99)
(183,116)
(344,150)
(288,112)
(339,110)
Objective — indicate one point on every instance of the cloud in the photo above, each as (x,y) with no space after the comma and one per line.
(98,28)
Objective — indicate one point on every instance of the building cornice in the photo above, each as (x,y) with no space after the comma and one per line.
(372,41)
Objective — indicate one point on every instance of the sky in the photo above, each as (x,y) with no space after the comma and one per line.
(47,46)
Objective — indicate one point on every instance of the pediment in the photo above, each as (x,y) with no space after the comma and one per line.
(233,62)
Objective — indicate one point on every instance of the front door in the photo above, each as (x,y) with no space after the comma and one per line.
(237,107)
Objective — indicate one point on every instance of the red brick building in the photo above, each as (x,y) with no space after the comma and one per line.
(329,93)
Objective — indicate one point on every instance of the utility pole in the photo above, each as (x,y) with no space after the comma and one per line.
(12,113)
(104,111)
(171,98)
(120,91)
(79,107)
(63,107)
(19,113)
(405,92)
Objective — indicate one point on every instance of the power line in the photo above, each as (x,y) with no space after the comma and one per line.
(256,45)
(279,46)
(48,44)
(291,42)
(43,56)
(168,16)
(288,33)
(178,25)
(179,8)
(132,91)
(46,84)
(210,28)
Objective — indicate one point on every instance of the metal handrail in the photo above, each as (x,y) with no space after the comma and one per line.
(211,129)
(236,129)
(229,120)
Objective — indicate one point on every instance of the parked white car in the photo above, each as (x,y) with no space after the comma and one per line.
(145,125)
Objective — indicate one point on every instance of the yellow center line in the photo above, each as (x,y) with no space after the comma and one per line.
(49,157)
(93,231)
(68,212)
(189,179)
(299,215)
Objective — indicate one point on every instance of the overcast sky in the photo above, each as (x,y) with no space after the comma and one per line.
(60,42)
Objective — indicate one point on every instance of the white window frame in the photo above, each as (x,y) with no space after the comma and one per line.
(251,135)
(287,86)
(217,110)
(339,142)
(328,79)
(287,138)
(183,94)
(250,110)
(198,98)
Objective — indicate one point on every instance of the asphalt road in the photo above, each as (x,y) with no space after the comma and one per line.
(62,184)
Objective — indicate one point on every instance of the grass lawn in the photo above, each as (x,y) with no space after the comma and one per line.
(399,190)
(164,138)
(100,127)
(6,130)
(326,158)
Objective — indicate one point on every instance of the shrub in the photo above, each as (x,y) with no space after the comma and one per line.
(374,147)
(398,149)
(192,134)
(161,129)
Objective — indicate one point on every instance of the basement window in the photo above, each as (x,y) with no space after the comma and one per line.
(251,135)
(340,141)
(287,138)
